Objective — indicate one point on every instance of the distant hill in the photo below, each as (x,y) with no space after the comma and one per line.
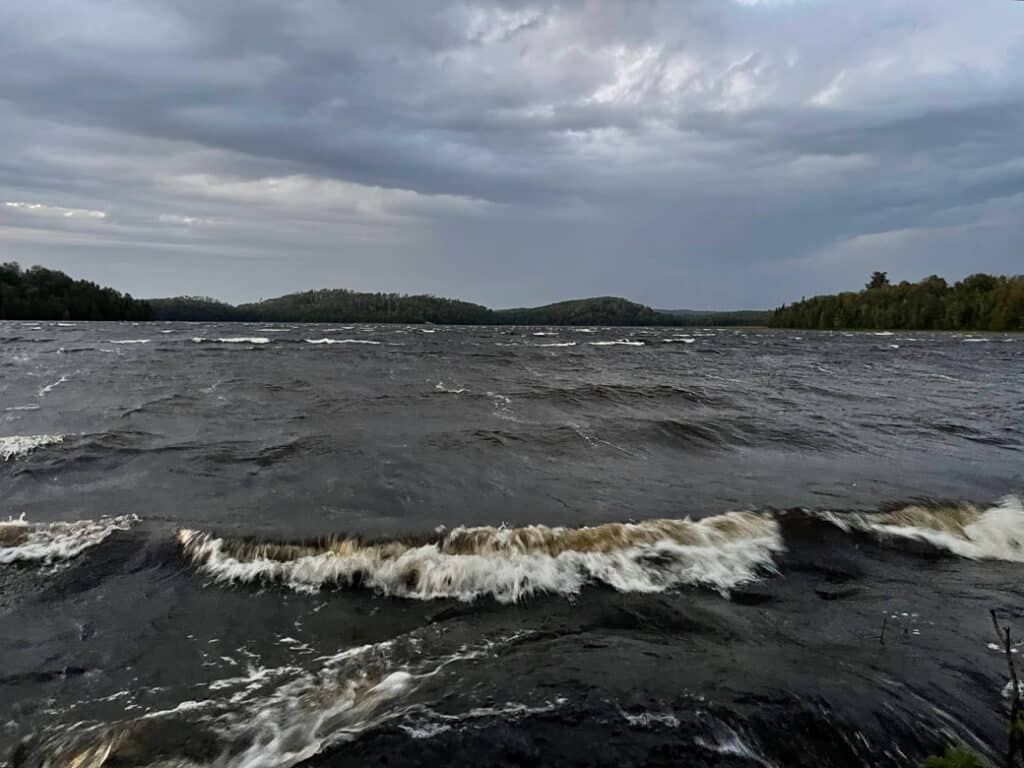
(344,306)
(976,303)
(41,294)
(46,294)
(603,310)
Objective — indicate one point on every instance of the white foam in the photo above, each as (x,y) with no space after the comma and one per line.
(545,333)
(882,333)
(129,341)
(559,344)
(584,330)
(340,341)
(43,391)
(975,340)
(719,552)
(16,446)
(648,720)
(167,330)
(29,407)
(281,717)
(995,533)
(440,387)
(65,325)
(233,340)
(622,342)
(49,542)
(679,340)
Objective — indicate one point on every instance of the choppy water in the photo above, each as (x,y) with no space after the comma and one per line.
(250,545)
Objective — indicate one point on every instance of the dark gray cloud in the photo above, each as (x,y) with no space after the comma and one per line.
(681,152)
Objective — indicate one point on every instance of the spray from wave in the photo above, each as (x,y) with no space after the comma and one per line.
(22,541)
(274,717)
(508,564)
(967,530)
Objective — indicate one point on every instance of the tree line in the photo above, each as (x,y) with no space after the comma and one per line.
(977,303)
(344,306)
(46,294)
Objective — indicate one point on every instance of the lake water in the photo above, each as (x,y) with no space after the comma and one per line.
(253,545)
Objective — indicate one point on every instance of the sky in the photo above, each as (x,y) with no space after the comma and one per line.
(686,153)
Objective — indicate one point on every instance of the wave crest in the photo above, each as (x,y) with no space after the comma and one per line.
(22,541)
(967,530)
(17,446)
(508,563)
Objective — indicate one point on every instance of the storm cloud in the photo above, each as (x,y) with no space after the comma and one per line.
(701,153)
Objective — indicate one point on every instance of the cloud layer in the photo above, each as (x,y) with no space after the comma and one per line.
(705,153)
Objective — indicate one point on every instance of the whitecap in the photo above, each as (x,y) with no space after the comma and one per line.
(975,340)
(882,333)
(233,340)
(340,341)
(622,342)
(21,541)
(679,340)
(129,341)
(992,533)
(43,391)
(509,564)
(17,446)
(559,344)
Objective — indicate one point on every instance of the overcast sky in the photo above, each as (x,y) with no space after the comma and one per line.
(687,153)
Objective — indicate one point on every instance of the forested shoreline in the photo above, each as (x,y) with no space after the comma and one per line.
(977,303)
(38,293)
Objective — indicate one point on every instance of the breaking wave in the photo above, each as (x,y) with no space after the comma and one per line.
(273,717)
(341,341)
(129,341)
(967,530)
(232,340)
(619,342)
(22,541)
(16,446)
(508,564)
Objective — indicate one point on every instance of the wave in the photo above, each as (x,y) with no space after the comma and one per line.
(43,391)
(22,541)
(233,340)
(280,716)
(508,564)
(559,344)
(679,340)
(978,533)
(340,341)
(129,341)
(16,446)
(623,342)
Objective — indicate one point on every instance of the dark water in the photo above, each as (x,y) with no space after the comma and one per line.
(283,553)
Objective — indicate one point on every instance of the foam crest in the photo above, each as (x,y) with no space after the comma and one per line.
(992,533)
(508,564)
(273,718)
(232,340)
(619,342)
(22,541)
(17,446)
(341,341)
(129,341)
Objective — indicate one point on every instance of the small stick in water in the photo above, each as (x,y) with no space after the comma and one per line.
(881,637)
(1014,746)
